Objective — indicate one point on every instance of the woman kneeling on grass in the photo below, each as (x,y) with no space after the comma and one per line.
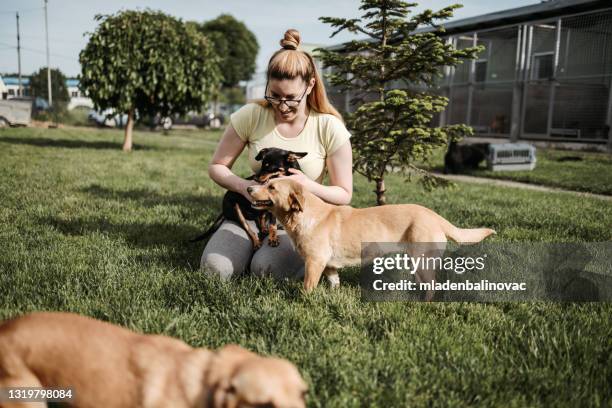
(297,116)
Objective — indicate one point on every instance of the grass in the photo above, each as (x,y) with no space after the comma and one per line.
(584,171)
(89,229)
(77,117)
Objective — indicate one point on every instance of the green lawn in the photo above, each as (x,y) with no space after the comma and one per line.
(579,171)
(90,229)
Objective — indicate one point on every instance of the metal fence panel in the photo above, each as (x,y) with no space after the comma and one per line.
(458,105)
(536,108)
(492,109)
(586,46)
(580,109)
(462,71)
(498,62)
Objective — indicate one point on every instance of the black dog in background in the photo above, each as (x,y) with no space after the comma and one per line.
(464,157)
(274,163)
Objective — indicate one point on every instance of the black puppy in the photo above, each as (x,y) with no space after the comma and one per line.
(461,157)
(274,163)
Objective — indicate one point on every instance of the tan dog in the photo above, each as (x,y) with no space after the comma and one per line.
(109,366)
(329,237)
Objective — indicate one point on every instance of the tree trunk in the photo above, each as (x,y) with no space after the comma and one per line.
(127,142)
(380,192)
(380,182)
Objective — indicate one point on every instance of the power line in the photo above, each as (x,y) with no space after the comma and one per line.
(8,46)
(38,37)
(55,39)
(53,55)
(21,11)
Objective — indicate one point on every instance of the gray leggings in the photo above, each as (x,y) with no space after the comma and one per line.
(229,252)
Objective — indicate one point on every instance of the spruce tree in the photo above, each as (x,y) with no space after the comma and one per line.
(391,75)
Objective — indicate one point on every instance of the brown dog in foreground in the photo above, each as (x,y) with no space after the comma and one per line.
(109,366)
(329,237)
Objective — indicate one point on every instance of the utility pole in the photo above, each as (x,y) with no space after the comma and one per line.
(20,89)
(48,63)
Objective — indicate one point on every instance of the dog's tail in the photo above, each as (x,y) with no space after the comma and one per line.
(465,235)
(211,230)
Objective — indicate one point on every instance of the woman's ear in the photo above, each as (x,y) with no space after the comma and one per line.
(311,84)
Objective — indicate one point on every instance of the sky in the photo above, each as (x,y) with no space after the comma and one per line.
(70,20)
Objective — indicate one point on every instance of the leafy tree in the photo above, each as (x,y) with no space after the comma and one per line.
(59,90)
(147,62)
(233,96)
(235,44)
(392,125)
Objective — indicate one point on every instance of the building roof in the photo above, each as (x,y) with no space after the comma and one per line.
(25,81)
(546,9)
(310,47)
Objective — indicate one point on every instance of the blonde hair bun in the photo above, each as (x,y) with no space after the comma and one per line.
(291,40)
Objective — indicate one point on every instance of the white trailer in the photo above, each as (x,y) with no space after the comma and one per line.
(15,113)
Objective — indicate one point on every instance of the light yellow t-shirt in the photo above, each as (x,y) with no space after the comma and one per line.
(321,136)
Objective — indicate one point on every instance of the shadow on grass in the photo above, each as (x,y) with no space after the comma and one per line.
(148,198)
(139,234)
(171,237)
(162,244)
(68,143)
(289,290)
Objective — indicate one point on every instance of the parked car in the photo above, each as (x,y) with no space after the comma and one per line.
(201,120)
(108,118)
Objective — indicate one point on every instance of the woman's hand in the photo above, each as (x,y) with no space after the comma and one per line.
(297,175)
(339,165)
(243,188)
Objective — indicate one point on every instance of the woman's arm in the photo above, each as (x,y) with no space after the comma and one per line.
(229,148)
(340,168)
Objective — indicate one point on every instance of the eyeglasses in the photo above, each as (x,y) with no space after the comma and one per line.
(291,103)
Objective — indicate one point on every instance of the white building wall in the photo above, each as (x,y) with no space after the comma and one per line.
(256,87)
(3,89)
(78,99)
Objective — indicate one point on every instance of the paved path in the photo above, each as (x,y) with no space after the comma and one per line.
(516,184)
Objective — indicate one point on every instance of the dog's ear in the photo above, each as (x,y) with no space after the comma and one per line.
(261,154)
(225,361)
(224,365)
(294,156)
(269,382)
(249,386)
(296,201)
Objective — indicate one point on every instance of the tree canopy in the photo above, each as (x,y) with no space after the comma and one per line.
(235,44)
(391,76)
(147,62)
(59,90)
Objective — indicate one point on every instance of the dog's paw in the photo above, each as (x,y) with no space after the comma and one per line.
(334,281)
(273,242)
(256,245)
